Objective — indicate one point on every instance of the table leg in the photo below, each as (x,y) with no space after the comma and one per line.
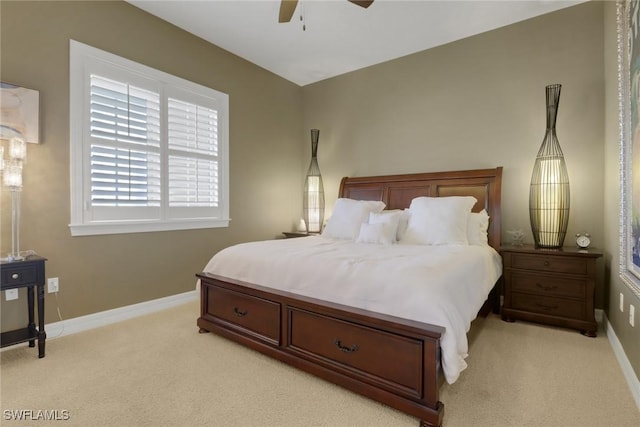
(32,324)
(42,335)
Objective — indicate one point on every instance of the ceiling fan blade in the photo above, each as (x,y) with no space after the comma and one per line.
(287,7)
(362,3)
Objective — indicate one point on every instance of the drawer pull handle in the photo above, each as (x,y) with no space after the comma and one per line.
(15,276)
(345,349)
(240,313)
(547,307)
(546,263)
(546,287)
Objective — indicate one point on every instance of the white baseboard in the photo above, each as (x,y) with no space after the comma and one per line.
(103,318)
(627,369)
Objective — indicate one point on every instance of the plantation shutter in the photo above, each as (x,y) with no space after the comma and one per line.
(193,155)
(125,145)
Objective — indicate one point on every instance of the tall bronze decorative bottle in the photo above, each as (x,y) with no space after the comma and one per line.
(313,198)
(549,192)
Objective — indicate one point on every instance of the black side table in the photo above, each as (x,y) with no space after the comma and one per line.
(27,273)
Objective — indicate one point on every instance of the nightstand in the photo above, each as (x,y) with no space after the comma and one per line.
(552,286)
(27,273)
(292,234)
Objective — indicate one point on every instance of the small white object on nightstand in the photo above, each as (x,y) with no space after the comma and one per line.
(583,240)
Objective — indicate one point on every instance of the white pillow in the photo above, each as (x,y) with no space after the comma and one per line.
(477,227)
(403,224)
(381,233)
(391,219)
(439,220)
(347,216)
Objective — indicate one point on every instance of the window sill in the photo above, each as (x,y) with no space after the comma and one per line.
(144,226)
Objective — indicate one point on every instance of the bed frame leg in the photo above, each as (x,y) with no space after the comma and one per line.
(202,331)
(495,295)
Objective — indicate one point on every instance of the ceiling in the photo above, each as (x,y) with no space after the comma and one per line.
(339,36)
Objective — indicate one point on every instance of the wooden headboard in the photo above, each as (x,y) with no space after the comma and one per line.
(397,191)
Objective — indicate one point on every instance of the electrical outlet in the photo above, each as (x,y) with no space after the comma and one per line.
(53,285)
(621,302)
(632,315)
(10,294)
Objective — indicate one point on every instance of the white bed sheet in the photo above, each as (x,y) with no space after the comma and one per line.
(440,285)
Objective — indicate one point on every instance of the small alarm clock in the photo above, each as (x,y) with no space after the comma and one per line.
(583,240)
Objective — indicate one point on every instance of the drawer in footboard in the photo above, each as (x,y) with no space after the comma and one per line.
(245,313)
(388,360)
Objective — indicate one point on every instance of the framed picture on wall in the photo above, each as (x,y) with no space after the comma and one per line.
(19,113)
(629,107)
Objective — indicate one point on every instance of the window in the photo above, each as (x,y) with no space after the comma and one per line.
(148,149)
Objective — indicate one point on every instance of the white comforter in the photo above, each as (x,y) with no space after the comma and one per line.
(440,285)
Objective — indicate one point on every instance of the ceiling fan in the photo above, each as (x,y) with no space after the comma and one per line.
(287,7)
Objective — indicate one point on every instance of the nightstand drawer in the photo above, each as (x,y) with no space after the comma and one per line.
(545,285)
(550,306)
(19,275)
(555,264)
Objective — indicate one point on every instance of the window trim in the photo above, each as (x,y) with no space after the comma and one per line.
(83,56)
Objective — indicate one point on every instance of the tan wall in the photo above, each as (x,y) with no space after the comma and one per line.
(476,103)
(628,336)
(104,272)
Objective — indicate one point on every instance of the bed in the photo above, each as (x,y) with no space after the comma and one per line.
(351,340)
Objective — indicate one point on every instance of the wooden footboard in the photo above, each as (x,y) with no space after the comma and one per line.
(391,360)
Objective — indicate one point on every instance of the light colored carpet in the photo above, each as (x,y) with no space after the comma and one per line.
(157,370)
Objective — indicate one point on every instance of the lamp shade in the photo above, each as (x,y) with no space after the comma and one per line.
(313,196)
(17,149)
(12,174)
(549,191)
(12,179)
